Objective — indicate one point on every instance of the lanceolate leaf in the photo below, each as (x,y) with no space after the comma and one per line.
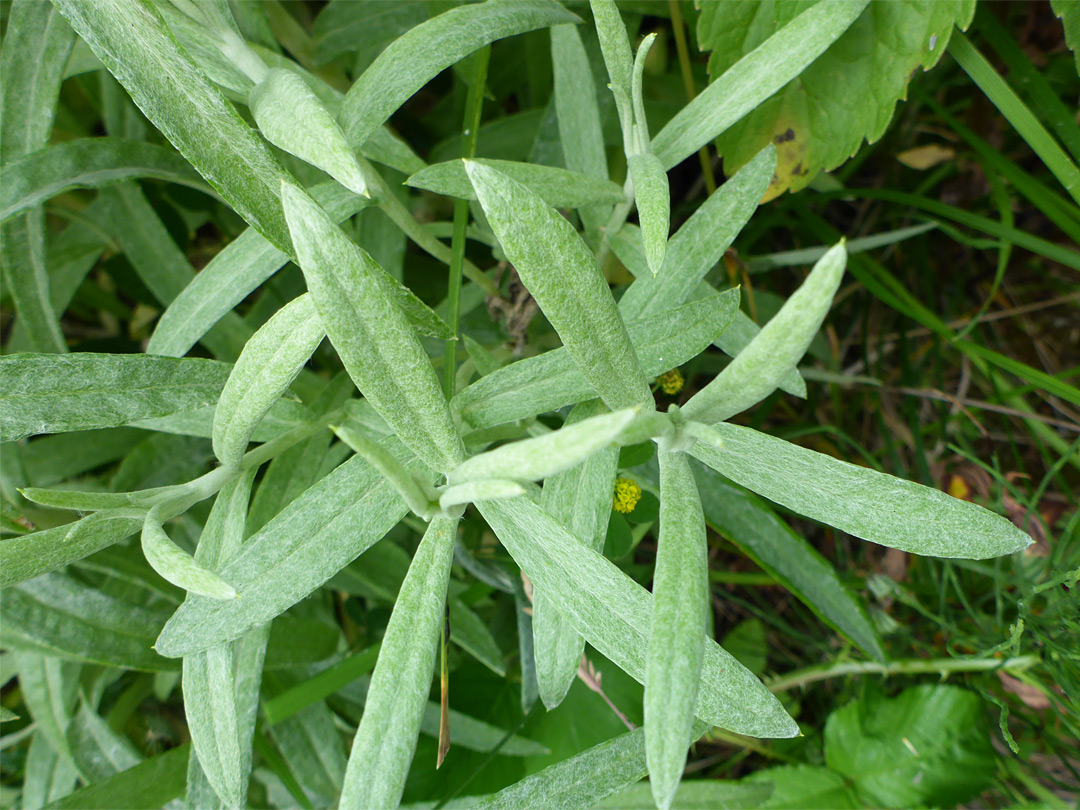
(292,118)
(415,58)
(552,380)
(376,343)
(265,370)
(613,613)
(535,459)
(88,163)
(138,49)
(754,78)
(479,491)
(177,566)
(654,206)
(615,45)
(812,120)
(857,500)
(758,369)
(44,393)
(383,748)
(558,188)
(561,273)
(580,499)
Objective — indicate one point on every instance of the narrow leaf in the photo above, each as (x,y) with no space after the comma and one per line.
(375,341)
(177,566)
(679,618)
(383,748)
(865,503)
(613,613)
(153,783)
(558,188)
(418,56)
(754,78)
(293,118)
(414,490)
(654,206)
(562,275)
(757,370)
(536,459)
(264,371)
(479,491)
(615,45)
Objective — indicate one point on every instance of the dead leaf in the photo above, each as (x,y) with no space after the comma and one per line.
(926,157)
(1030,695)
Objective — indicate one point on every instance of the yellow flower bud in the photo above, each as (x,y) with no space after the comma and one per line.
(627,494)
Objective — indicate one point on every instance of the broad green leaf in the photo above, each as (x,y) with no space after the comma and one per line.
(758,369)
(805,787)
(654,206)
(552,380)
(386,739)
(562,275)
(36,48)
(558,188)
(57,615)
(615,45)
(417,57)
(264,371)
(613,613)
(177,566)
(928,745)
(138,49)
(232,275)
(152,783)
(308,542)
(536,459)
(812,119)
(755,77)
(45,393)
(88,163)
(863,502)
(701,241)
(580,131)
(417,493)
(468,631)
(30,556)
(50,687)
(479,491)
(695,794)
(375,341)
(680,596)
(48,776)
(293,118)
(580,499)
(98,750)
(760,533)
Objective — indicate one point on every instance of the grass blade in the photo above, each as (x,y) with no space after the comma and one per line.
(383,748)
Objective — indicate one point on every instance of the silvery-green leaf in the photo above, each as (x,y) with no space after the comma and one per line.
(580,499)
(654,206)
(578,112)
(557,187)
(48,776)
(49,688)
(98,750)
(264,371)
(177,566)
(536,459)
(700,243)
(416,493)
(479,491)
(136,46)
(552,380)
(754,78)
(757,370)
(210,707)
(641,124)
(371,334)
(418,56)
(87,163)
(48,393)
(562,275)
(386,739)
(863,502)
(679,620)
(309,541)
(613,613)
(615,45)
(292,118)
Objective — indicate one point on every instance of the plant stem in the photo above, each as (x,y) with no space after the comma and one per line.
(911,666)
(473,106)
(688,80)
